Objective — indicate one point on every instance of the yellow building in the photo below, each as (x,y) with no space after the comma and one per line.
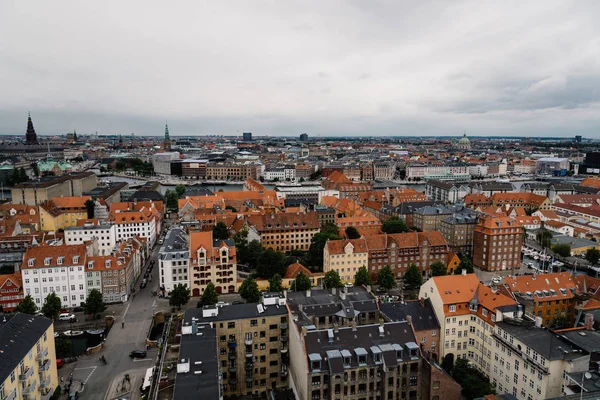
(62,212)
(28,357)
(345,257)
(292,272)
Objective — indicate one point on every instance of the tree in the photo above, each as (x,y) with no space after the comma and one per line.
(180,295)
(438,269)
(563,250)
(474,384)
(466,264)
(94,303)
(394,225)
(302,282)
(52,306)
(36,169)
(210,295)
(331,228)
(448,362)
(220,231)
(560,322)
(544,237)
(89,206)
(352,233)
(275,283)
(385,278)
(332,279)
(255,251)
(172,199)
(26,306)
(270,262)
(593,256)
(180,190)
(317,244)
(412,277)
(249,291)
(362,277)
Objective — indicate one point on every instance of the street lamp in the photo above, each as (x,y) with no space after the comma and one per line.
(585,376)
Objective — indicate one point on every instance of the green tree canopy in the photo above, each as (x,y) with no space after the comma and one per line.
(302,282)
(172,199)
(332,279)
(412,277)
(210,295)
(465,263)
(52,306)
(593,256)
(220,231)
(385,278)
(438,269)
(544,237)
(317,244)
(180,295)
(362,277)
(563,250)
(331,228)
(474,384)
(394,225)
(94,303)
(180,190)
(26,306)
(89,206)
(561,322)
(352,233)
(255,251)
(269,263)
(249,291)
(275,283)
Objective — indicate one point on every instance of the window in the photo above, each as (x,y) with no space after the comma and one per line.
(452,308)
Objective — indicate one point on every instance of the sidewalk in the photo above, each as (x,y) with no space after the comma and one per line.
(120,388)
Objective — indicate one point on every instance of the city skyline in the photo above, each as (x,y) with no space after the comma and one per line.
(282,69)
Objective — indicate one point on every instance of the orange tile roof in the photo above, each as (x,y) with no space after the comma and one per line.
(593,182)
(533,283)
(70,202)
(43,251)
(338,246)
(455,289)
(282,221)
(548,214)
(293,270)
(518,198)
(497,221)
(14,278)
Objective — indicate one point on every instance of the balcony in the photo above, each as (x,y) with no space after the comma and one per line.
(26,374)
(11,396)
(249,378)
(44,383)
(44,365)
(284,371)
(232,380)
(284,338)
(248,353)
(283,325)
(283,349)
(232,355)
(42,354)
(248,341)
(29,390)
(248,366)
(233,369)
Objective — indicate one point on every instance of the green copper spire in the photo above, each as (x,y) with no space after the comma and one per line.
(166,131)
(167,143)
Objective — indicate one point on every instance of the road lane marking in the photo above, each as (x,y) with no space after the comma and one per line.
(89,375)
(126,309)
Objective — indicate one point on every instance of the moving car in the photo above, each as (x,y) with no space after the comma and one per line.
(67,317)
(138,354)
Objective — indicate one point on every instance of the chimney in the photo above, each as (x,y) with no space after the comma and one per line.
(538,322)
(589,322)
(464,272)
(308,293)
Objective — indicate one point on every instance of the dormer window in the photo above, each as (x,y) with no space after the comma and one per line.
(452,308)
(224,253)
(362,360)
(91,265)
(107,263)
(398,354)
(75,259)
(47,260)
(473,307)
(346,361)
(60,260)
(31,262)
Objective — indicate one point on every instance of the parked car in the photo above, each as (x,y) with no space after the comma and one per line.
(235,303)
(67,317)
(138,354)
(59,362)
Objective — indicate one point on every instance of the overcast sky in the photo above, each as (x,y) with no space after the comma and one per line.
(286,67)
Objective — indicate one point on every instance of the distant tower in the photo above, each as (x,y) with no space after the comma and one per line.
(74,135)
(304,137)
(120,140)
(30,136)
(247,136)
(167,143)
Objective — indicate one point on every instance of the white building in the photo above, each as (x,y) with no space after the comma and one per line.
(289,172)
(174,260)
(162,162)
(442,172)
(55,269)
(478,170)
(274,174)
(130,223)
(106,235)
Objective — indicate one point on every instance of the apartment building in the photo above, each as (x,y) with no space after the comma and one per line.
(233,171)
(140,218)
(397,250)
(530,362)
(359,362)
(458,231)
(328,308)
(56,269)
(437,171)
(421,316)
(285,231)
(47,188)
(429,218)
(529,201)
(11,291)
(28,357)
(84,232)
(212,261)
(497,241)
(174,260)
(446,192)
(62,212)
(467,312)
(547,296)
(252,345)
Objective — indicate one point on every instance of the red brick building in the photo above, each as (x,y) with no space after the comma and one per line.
(497,242)
(11,291)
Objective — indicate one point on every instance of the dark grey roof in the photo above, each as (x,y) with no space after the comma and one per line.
(543,341)
(195,348)
(362,340)
(443,210)
(19,333)
(423,316)
(196,191)
(462,218)
(146,195)
(587,340)
(175,245)
(324,302)
(403,208)
(238,311)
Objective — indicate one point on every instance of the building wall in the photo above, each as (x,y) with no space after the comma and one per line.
(287,240)
(346,264)
(175,272)
(495,249)
(106,235)
(67,281)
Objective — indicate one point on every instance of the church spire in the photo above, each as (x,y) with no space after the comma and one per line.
(30,135)
(167,143)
